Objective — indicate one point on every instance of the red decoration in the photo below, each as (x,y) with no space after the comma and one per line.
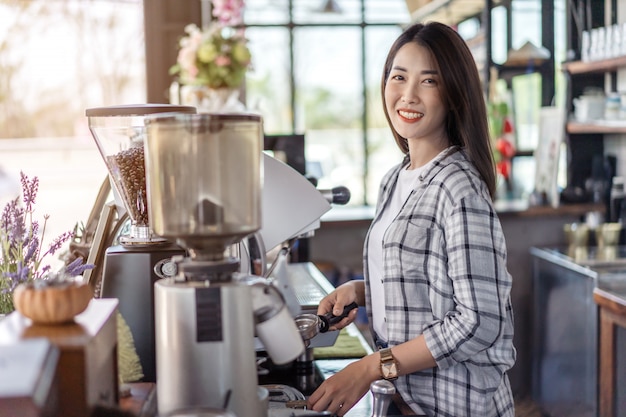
(504,168)
(505,147)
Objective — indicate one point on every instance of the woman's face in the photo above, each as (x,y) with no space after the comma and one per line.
(412,95)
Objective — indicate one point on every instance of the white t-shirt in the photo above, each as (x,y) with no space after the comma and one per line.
(406,183)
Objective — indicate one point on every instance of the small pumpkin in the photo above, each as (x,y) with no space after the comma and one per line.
(52,302)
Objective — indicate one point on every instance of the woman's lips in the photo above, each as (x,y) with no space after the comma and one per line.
(411,116)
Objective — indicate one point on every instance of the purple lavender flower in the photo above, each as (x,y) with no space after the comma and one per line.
(76,267)
(5,220)
(58,242)
(29,191)
(32,249)
(16,226)
(20,242)
(21,275)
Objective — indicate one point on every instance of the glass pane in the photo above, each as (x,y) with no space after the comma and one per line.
(499,50)
(58,65)
(382,148)
(523,176)
(266,12)
(526,105)
(394,11)
(330,104)
(267,84)
(526,22)
(317,11)
(62,57)
(560,52)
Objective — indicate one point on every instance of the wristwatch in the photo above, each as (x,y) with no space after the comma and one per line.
(388,365)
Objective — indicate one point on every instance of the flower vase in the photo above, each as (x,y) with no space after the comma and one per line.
(211,100)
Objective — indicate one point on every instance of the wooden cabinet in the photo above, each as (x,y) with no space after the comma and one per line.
(611,299)
(87,367)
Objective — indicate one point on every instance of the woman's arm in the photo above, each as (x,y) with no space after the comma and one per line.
(481,284)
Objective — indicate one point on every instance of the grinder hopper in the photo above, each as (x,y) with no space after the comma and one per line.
(119,133)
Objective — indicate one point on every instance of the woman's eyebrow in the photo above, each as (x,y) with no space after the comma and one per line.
(426,72)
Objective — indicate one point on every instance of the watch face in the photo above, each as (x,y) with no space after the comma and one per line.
(389,370)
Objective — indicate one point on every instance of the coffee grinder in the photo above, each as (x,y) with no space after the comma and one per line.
(204,185)
(129,264)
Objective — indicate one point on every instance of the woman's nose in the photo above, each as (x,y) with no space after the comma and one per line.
(409,95)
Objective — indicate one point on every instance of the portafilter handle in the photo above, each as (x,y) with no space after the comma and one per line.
(382,391)
(329,319)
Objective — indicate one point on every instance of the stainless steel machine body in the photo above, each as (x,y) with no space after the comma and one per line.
(204,190)
(205,356)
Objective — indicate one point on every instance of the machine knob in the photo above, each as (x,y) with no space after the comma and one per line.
(382,391)
(338,195)
(165,268)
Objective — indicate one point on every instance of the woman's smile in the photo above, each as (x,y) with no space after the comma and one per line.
(410,116)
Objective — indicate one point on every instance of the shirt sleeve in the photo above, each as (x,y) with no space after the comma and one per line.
(481,284)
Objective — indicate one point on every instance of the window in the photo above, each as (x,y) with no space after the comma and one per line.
(58,58)
(319,74)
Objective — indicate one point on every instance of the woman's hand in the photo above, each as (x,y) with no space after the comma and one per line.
(343,295)
(340,392)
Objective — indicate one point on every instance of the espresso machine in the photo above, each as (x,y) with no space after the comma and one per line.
(136,257)
(204,176)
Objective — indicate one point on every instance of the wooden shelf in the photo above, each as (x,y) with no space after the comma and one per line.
(581,67)
(508,72)
(596,127)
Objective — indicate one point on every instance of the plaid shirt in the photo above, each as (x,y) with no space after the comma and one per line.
(444,258)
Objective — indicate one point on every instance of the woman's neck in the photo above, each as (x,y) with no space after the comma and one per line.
(423,151)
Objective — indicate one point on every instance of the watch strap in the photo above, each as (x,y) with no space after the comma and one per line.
(388,365)
(385,355)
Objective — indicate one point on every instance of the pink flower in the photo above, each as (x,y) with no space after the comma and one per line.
(222,61)
(187,61)
(228,11)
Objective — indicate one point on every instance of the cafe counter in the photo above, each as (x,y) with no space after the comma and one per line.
(578,330)
(610,296)
(282,380)
(70,370)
